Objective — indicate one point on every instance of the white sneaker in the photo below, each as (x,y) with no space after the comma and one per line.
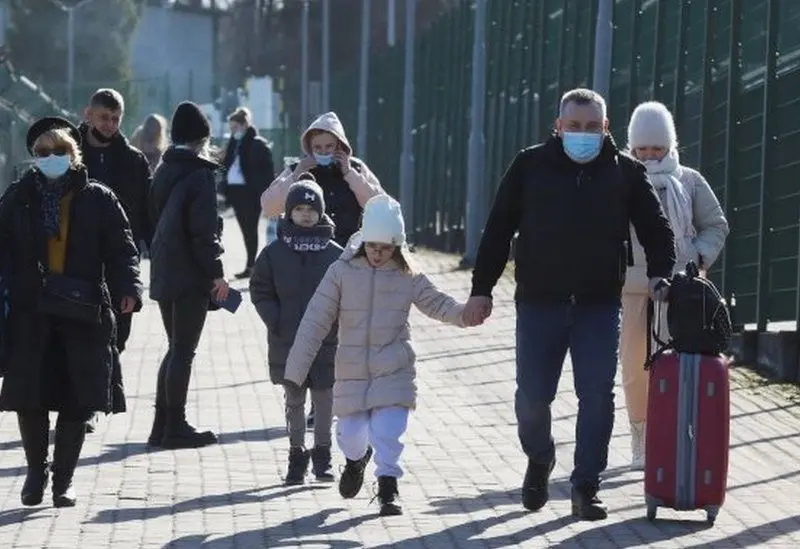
(637,445)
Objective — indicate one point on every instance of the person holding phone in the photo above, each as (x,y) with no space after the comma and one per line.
(346,181)
(186,276)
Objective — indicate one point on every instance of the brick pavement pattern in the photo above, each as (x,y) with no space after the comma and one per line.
(463,461)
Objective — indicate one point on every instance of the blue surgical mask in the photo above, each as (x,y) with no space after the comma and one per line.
(582,147)
(53,166)
(323,159)
(238,136)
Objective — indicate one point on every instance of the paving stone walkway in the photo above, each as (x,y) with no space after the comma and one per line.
(462,457)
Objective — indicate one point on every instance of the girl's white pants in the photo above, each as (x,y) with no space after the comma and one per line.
(382,428)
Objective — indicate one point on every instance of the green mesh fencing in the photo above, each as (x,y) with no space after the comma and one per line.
(728,69)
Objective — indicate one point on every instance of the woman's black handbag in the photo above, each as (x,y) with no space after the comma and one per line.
(71,298)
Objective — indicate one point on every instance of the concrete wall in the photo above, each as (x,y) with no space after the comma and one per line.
(172,59)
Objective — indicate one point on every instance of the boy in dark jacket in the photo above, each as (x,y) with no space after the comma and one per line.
(285,277)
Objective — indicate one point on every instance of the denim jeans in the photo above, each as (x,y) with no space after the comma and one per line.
(545,332)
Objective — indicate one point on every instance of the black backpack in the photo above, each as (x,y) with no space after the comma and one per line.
(697,317)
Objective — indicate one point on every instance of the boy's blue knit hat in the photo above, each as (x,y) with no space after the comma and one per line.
(305,191)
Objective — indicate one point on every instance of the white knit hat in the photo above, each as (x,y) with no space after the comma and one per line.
(652,125)
(383,221)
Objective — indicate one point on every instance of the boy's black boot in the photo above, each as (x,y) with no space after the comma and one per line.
(321,463)
(387,495)
(352,478)
(535,492)
(298,466)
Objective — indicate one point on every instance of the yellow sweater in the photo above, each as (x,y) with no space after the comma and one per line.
(57,245)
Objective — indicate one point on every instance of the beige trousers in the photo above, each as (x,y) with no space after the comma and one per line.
(633,353)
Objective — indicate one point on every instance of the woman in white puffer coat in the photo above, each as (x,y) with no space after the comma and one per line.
(700,231)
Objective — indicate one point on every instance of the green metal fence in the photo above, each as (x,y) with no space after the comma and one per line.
(727,68)
(21,102)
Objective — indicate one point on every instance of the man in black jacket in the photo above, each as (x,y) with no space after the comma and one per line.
(112,161)
(571,200)
(249,170)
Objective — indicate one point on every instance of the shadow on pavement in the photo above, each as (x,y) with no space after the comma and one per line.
(240,497)
(122,451)
(285,534)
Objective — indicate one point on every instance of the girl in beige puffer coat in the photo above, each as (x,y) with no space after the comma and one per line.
(369,291)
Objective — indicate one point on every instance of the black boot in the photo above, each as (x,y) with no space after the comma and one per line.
(159,423)
(298,466)
(585,503)
(160,418)
(353,476)
(535,492)
(321,460)
(69,441)
(387,494)
(179,434)
(34,430)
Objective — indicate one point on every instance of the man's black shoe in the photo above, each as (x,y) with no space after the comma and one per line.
(586,505)
(535,486)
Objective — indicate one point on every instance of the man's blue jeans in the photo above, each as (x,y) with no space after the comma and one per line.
(544,334)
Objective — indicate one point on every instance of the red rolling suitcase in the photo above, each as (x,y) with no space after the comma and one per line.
(687,433)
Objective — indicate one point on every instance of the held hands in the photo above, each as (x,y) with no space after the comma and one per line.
(220,289)
(477,309)
(658,289)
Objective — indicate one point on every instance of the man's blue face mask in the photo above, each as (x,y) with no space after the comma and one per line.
(582,147)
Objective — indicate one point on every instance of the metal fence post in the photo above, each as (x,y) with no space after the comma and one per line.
(304,66)
(407,155)
(363,98)
(477,140)
(603,42)
(326,54)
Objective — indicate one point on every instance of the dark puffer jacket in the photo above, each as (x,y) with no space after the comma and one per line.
(129,178)
(100,249)
(185,256)
(256,160)
(282,284)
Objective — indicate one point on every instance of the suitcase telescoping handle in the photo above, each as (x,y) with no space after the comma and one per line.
(654,320)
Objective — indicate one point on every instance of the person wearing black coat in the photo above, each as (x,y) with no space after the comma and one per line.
(285,277)
(186,268)
(249,170)
(571,202)
(113,161)
(68,249)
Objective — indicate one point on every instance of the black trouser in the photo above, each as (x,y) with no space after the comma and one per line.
(247,207)
(183,320)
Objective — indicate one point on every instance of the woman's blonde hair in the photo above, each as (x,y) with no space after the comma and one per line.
(397,256)
(153,132)
(60,137)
